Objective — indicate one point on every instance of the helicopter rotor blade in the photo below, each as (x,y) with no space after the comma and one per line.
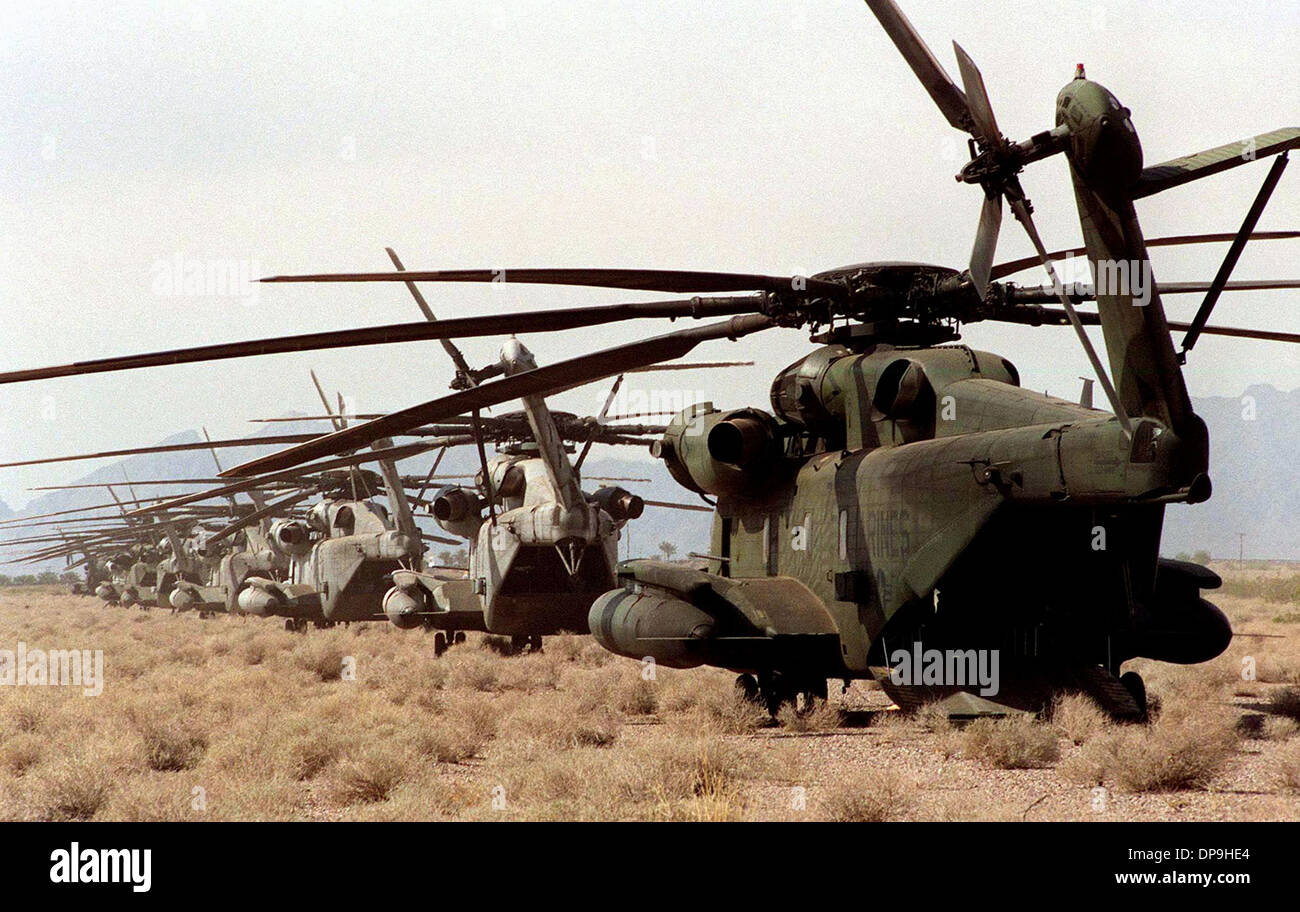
(271,439)
(271,509)
(1233,254)
(490,325)
(450,347)
(664,280)
(1046,294)
(600,419)
(247,482)
(1011,267)
(695,508)
(1046,316)
(546,380)
(325,400)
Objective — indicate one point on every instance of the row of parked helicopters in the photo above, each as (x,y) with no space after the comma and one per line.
(340,542)
(904,488)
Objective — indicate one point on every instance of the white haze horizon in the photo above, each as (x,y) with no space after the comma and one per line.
(140,140)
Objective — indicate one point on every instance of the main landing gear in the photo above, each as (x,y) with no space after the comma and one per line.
(775,689)
(444,641)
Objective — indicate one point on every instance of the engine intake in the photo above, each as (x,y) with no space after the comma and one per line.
(717,452)
(292,536)
(621,505)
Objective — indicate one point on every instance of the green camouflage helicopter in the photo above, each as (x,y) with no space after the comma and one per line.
(905,496)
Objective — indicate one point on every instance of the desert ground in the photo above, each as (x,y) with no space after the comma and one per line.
(232,718)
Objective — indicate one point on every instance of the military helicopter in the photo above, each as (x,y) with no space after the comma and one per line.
(331,565)
(904,489)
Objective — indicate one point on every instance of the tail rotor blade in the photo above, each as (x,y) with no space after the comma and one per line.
(986,242)
(950,100)
(986,130)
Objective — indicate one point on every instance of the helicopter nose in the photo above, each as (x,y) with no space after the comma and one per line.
(515,352)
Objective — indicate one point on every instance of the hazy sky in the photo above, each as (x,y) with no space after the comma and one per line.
(137,139)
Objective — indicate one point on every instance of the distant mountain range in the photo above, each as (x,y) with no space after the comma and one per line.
(1253,439)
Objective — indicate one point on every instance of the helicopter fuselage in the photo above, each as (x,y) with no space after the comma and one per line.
(890,475)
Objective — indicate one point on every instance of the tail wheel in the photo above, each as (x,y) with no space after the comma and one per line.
(747,688)
(439,643)
(1137,688)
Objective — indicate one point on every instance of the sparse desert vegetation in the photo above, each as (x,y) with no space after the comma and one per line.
(233,718)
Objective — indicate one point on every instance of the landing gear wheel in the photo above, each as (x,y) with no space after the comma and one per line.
(439,644)
(460,637)
(747,688)
(1134,684)
(805,700)
(519,643)
(780,689)
(289,625)
(535,643)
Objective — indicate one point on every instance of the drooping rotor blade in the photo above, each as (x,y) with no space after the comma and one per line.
(491,325)
(330,417)
(320,390)
(665,280)
(247,482)
(986,242)
(546,380)
(604,410)
(678,506)
(1264,334)
(1046,294)
(17,521)
(689,365)
(105,484)
(433,471)
(1236,285)
(257,516)
(950,99)
(196,512)
(453,352)
(168,448)
(1011,267)
(1234,253)
(1046,316)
